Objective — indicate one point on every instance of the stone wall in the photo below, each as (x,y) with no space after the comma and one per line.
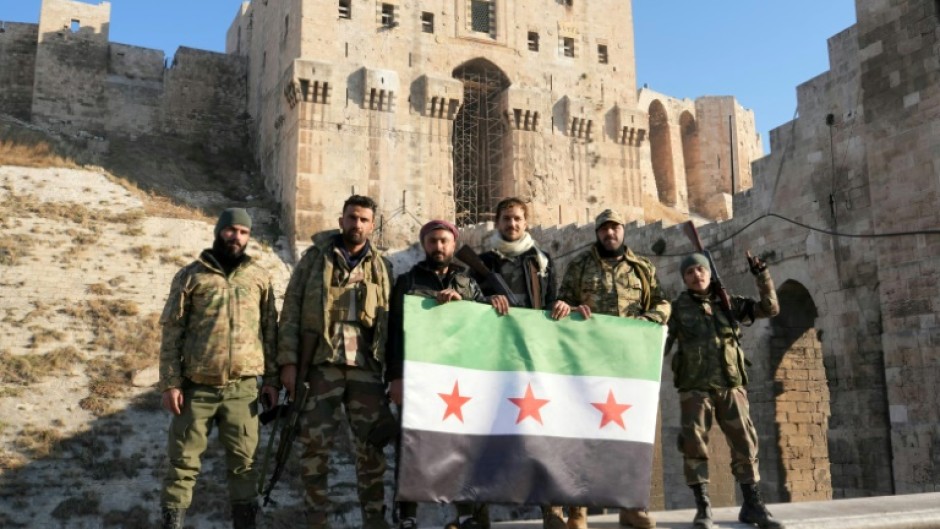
(134,89)
(204,100)
(899,46)
(72,65)
(17,67)
(356,103)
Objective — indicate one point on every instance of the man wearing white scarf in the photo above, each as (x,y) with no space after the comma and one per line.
(528,271)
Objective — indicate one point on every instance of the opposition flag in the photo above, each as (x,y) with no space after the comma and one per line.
(525,409)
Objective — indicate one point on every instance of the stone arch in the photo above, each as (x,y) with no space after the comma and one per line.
(661,153)
(691,158)
(479,141)
(801,402)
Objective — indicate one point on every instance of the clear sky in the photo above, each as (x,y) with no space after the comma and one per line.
(756,50)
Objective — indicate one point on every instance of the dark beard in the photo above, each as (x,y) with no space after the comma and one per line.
(435,264)
(228,255)
(604,252)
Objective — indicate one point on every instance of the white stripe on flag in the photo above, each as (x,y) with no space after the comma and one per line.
(570,410)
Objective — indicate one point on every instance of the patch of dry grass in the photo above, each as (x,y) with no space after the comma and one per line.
(99,289)
(142,252)
(43,336)
(25,369)
(32,154)
(38,442)
(14,247)
(26,205)
(85,505)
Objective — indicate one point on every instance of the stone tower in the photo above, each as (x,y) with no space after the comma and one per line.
(440,109)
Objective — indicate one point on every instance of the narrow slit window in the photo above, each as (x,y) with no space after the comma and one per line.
(567,46)
(345,9)
(533,41)
(388,16)
(427,22)
(602,54)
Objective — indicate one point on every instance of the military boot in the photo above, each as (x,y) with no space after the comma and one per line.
(754,511)
(553,517)
(703,506)
(245,515)
(636,518)
(577,517)
(172,518)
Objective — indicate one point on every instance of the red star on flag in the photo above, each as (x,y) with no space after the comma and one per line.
(454,402)
(529,405)
(613,411)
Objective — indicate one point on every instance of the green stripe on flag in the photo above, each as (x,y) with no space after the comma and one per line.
(471,335)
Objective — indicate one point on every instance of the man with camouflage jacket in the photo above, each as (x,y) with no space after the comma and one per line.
(710,374)
(219,335)
(336,314)
(610,279)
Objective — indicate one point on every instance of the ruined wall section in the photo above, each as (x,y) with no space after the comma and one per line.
(17,67)
(900,93)
(71,66)
(204,102)
(134,89)
(687,162)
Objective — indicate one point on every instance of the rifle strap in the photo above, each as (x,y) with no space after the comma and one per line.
(535,286)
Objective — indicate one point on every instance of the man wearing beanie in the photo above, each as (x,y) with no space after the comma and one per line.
(332,336)
(438,277)
(709,372)
(610,279)
(219,336)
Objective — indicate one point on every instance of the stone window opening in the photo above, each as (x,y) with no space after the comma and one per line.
(388,16)
(345,9)
(602,56)
(286,29)
(569,3)
(567,46)
(427,22)
(75,25)
(3,26)
(483,16)
(533,41)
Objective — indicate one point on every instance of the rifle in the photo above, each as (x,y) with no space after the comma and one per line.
(717,287)
(289,427)
(471,259)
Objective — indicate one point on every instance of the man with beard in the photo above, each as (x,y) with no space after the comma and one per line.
(336,309)
(610,279)
(436,277)
(219,335)
(528,271)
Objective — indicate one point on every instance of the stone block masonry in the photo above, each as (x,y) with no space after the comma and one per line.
(17,67)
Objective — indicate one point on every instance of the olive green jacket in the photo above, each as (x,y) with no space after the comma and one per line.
(709,354)
(216,327)
(307,303)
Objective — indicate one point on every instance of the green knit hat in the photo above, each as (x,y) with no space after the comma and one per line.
(232,217)
(693,260)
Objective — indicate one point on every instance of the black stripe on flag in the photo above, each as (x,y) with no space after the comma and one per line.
(520,469)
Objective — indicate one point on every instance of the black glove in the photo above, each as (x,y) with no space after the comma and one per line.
(755,264)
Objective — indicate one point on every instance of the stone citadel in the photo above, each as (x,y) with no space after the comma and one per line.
(440,111)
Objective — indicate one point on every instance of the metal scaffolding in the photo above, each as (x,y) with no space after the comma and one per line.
(479,135)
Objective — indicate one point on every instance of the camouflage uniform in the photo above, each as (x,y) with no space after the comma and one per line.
(625,287)
(710,374)
(618,287)
(345,310)
(219,334)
